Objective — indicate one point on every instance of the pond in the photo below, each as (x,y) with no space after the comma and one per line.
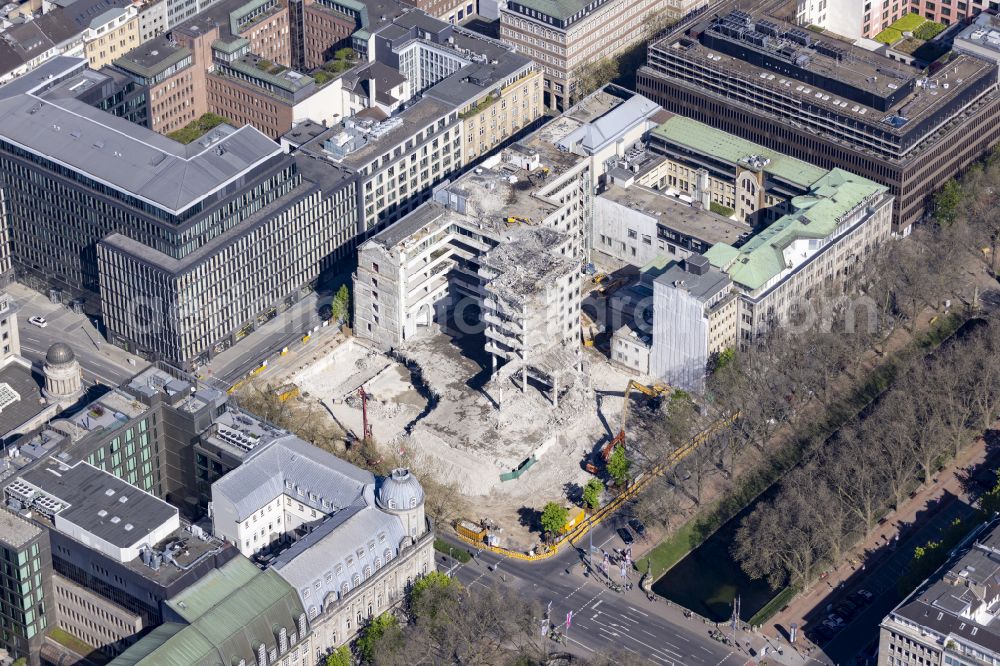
(708,579)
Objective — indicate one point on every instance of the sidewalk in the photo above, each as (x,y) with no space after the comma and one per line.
(872,552)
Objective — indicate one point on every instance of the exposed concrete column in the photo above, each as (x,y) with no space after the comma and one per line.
(555,392)
(524,378)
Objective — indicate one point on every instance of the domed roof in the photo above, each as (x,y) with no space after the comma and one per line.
(400,491)
(60,354)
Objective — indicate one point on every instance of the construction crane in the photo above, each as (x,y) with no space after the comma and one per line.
(365,425)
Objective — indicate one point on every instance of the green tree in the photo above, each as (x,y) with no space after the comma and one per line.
(593,75)
(989,503)
(340,306)
(430,594)
(554,517)
(339,657)
(947,202)
(383,629)
(592,493)
(618,465)
(723,359)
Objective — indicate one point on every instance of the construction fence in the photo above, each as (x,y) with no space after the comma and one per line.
(611,507)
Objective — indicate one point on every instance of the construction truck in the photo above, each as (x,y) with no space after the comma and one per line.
(654,391)
(471,530)
(599,278)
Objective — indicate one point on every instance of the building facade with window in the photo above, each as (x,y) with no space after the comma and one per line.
(26,586)
(348,543)
(829,103)
(565,38)
(949,619)
(154,234)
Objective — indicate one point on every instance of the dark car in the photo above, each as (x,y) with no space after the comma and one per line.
(857,599)
(846,610)
(637,527)
(625,535)
(822,633)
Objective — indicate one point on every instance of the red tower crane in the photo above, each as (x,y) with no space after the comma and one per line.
(366,427)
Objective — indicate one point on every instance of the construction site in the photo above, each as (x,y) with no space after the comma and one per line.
(471,356)
(427,403)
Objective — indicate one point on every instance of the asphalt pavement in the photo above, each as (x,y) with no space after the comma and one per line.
(102,363)
(604,621)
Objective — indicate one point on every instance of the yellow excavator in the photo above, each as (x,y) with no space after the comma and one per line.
(652,391)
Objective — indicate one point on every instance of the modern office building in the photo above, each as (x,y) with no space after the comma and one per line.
(118,542)
(823,101)
(26,585)
(949,619)
(157,236)
(981,38)
(566,37)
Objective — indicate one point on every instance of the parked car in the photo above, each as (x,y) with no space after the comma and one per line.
(626,536)
(846,610)
(857,599)
(637,527)
(866,594)
(834,620)
(822,633)
(38,321)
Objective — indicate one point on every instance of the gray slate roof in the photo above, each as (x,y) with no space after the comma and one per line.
(291,466)
(129,158)
(340,554)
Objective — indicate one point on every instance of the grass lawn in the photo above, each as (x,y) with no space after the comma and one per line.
(889,36)
(672,550)
(460,554)
(69,640)
(908,23)
(771,608)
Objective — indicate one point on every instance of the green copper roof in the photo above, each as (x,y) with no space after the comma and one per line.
(215,586)
(147,645)
(231,612)
(710,141)
(816,216)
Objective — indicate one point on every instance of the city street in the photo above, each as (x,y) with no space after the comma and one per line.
(102,363)
(603,621)
(608,622)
